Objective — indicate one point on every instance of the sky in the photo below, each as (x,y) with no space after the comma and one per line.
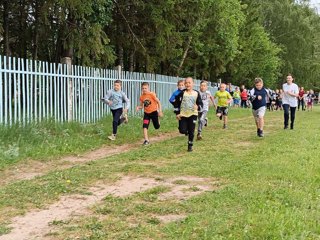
(315,3)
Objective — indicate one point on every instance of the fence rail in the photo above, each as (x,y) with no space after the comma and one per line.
(33,91)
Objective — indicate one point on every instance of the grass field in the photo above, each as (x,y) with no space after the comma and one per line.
(268,187)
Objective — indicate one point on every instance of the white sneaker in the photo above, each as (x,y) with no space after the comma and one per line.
(112,137)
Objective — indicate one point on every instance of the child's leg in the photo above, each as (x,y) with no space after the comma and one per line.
(191,125)
(225,120)
(116,119)
(155,120)
(261,123)
(183,125)
(146,122)
(202,120)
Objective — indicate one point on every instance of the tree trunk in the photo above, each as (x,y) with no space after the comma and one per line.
(6,46)
(23,30)
(36,30)
(131,61)
(184,55)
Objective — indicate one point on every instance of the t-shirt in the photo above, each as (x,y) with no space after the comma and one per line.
(244,96)
(118,98)
(310,97)
(188,102)
(205,97)
(301,93)
(255,93)
(288,99)
(236,95)
(222,98)
(149,101)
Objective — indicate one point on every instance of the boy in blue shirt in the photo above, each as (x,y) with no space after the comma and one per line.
(116,99)
(174,102)
(258,97)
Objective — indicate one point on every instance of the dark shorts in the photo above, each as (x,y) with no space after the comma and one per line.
(222,110)
(154,117)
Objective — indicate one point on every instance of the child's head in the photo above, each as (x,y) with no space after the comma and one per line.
(188,83)
(289,79)
(145,87)
(203,86)
(237,89)
(258,82)
(222,87)
(311,91)
(180,84)
(117,85)
(277,90)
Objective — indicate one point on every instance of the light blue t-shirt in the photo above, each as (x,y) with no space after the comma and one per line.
(118,98)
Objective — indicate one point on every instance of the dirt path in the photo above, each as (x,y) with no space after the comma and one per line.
(36,224)
(31,169)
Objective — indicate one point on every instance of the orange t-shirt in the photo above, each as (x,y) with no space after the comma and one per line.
(149,101)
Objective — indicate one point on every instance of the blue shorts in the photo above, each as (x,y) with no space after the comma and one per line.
(236,101)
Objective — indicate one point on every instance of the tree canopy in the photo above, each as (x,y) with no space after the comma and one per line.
(235,40)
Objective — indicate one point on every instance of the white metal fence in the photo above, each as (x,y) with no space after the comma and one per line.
(32,91)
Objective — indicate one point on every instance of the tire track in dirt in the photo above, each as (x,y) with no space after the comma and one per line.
(32,169)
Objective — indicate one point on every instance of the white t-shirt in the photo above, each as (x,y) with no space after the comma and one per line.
(288,99)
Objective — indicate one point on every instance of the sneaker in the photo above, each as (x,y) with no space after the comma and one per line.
(190,144)
(291,126)
(285,127)
(146,142)
(260,134)
(206,124)
(112,137)
(125,118)
(225,126)
(199,137)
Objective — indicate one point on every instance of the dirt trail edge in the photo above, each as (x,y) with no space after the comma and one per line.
(33,169)
(36,223)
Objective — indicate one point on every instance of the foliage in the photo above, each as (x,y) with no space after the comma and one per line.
(235,40)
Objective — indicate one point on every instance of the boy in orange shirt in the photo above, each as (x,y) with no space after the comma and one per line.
(152,110)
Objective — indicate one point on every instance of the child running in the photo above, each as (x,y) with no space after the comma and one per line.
(189,102)
(202,116)
(116,98)
(258,96)
(224,98)
(173,101)
(152,110)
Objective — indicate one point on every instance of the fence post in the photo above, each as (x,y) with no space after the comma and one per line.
(68,62)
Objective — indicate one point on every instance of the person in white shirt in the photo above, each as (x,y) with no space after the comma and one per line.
(290,101)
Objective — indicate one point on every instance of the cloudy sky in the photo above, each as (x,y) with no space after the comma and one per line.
(315,3)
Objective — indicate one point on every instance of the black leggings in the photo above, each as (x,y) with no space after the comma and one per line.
(116,113)
(286,108)
(187,126)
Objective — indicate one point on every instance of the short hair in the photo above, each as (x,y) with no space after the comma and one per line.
(204,81)
(180,81)
(258,80)
(144,84)
(118,81)
(189,78)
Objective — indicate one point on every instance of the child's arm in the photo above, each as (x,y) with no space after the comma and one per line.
(139,107)
(159,107)
(106,98)
(199,102)
(127,101)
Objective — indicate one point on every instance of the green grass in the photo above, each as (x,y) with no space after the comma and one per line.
(269,187)
(48,140)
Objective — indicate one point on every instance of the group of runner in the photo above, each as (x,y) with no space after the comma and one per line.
(191,106)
